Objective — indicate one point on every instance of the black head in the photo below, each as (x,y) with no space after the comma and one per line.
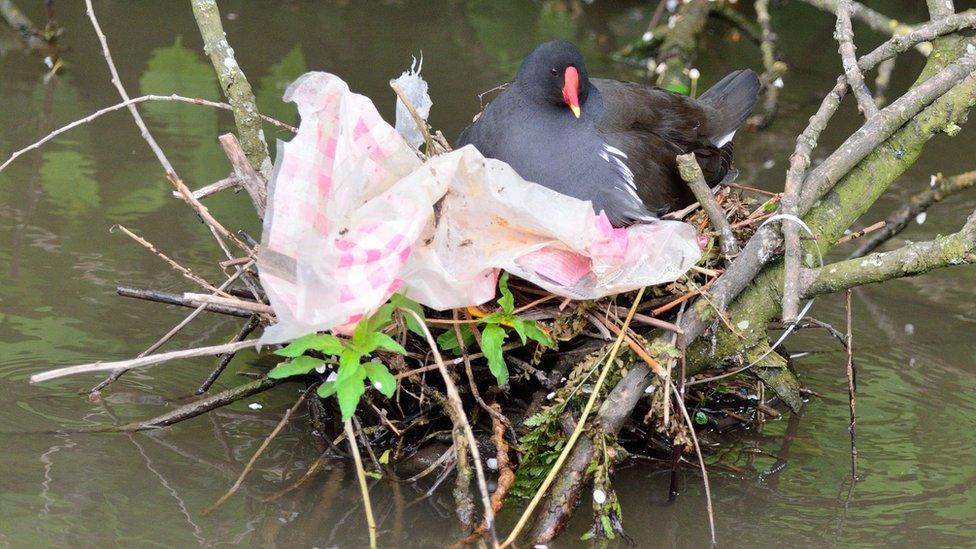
(554,74)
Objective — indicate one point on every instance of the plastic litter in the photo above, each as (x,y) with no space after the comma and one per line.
(354,216)
(415,88)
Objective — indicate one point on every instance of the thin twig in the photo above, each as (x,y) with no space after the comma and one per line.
(455,401)
(701,463)
(245,331)
(851,387)
(185,271)
(363,488)
(267,441)
(939,189)
(858,234)
(580,426)
(844,34)
(142,362)
(417,119)
(114,376)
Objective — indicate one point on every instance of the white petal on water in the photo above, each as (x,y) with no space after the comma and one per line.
(909,329)
(255,406)
(648,36)
(920,218)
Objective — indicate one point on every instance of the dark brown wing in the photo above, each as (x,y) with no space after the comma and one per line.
(652,126)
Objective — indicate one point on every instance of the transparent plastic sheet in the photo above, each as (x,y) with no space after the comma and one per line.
(354,216)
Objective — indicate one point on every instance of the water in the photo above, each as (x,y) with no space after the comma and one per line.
(60,264)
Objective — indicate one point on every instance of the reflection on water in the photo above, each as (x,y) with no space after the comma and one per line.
(786,485)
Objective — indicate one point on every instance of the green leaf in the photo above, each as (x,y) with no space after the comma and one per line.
(325,343)
(359,335)
(507,300)
(385,457)
(349,365)
(326,389)
(381,318)
(296,367)
(349,391)
(498,318)
(448,340)
(379,340)
(529,329)
(403,302)
(492,339)
(701,418)
(373,474)
(383,381)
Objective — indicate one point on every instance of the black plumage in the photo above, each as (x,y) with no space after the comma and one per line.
(619,153)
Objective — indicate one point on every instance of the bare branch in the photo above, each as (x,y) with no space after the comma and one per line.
(692,174)
(900,218)
(236,88)
(150,360)
(910,260)
(844,34)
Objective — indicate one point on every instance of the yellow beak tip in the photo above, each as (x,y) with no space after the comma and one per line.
(576,110)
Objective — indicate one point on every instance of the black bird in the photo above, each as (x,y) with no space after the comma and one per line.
(610,142)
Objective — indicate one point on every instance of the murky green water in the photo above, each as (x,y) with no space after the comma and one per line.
(59,265)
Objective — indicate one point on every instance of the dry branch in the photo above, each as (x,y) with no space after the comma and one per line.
(150,360)
(253,183)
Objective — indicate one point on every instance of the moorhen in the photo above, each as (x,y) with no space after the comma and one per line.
(610,142)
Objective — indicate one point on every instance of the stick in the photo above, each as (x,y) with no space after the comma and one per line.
(203,405)
(150,360)
(233,302)
(252,181)
(363,488)
(858,234)
(253,323)
(774,69)
(114,376)
(851,388)
(174,299)
(691,173)
(185,271)
(267,441)
(701,464)
(900,218)
(578,430)
(234,84)
(455,401)
(129,102)
(878,22)
(417,119)
(844,34)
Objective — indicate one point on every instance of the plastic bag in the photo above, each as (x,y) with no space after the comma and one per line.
(354,216)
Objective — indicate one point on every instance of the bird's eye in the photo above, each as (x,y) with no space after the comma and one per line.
(554,71)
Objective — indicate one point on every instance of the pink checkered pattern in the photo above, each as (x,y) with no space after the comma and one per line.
(367,253)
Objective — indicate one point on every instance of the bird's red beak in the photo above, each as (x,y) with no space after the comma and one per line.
(571,89)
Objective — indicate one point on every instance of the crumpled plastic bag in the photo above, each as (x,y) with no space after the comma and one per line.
(354,216)
(415,88)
